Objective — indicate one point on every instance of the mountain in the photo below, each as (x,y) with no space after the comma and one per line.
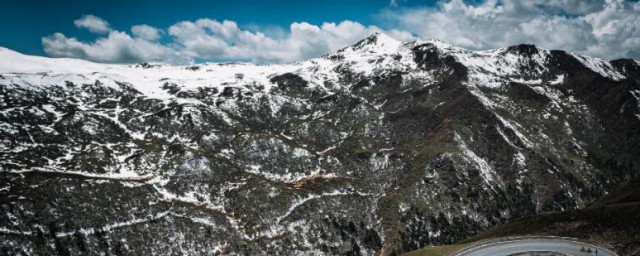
(379,148)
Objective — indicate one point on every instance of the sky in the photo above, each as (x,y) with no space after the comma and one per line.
(181,32)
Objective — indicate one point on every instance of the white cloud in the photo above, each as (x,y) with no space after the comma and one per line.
(93,23)
(210,39)
(146,32)
(116,47)
(607,29)
(206,38)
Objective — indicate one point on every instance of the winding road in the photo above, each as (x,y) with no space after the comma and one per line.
(538,244)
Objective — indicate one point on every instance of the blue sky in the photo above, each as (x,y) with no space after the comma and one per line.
(280,31)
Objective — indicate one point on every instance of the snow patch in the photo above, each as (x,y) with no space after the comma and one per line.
(558,80)
(599,66)
(485,170)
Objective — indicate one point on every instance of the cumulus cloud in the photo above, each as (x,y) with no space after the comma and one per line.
(116,47)
(212,39)
(207,38)
(607,29)
(93,23)
(146,32)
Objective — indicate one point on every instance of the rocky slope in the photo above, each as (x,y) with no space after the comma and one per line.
(613,221)
(381,147)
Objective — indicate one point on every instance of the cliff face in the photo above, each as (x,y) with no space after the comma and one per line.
(380,147)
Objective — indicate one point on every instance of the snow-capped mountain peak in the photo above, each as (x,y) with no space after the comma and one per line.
(378,42)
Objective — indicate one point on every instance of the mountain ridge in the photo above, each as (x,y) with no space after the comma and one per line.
(371,39)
